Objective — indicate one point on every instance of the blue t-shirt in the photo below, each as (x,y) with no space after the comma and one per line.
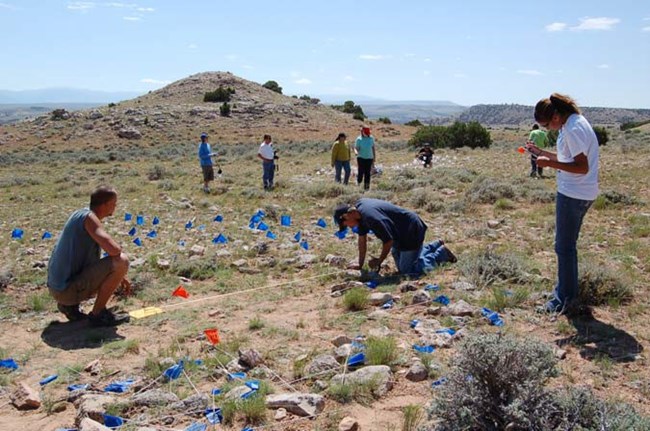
(204,154)
(390,222)
(74,250)
(364,145)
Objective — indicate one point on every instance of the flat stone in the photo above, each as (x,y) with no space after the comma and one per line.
(250,358)
(88,424)
(92,406)
(154,397)
(25,398)
(322,364)
(417,372)
(380,298)
(300,404)
(421,297)
(349,424)
(378,375)
(280,414)
(340,340)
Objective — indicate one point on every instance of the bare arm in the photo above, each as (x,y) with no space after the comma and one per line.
(579,165)
(94,228)
(363,246)
(385,249)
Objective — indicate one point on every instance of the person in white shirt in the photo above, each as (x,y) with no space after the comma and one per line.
(268,156)
(577,186)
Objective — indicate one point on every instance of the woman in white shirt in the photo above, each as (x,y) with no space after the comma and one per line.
(577,186)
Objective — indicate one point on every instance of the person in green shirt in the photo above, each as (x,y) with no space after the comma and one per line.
(539,138)
(341,154)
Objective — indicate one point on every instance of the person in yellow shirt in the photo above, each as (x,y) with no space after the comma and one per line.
(341,155)
(539,138)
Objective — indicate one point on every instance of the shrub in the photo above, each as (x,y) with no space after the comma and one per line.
(221,94)
(602,135)
(458,135)
(255,323)
(224,110)
(413,416)
(488,267)
(497,382)
(312,100)
(349,107)
(599,285)
(502,298)
(384,120)
(356,299)
(414,123)
(273,86)
(157,172)
(199,269)
(381,351)
(485,190)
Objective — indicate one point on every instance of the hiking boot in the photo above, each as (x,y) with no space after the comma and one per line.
(108,318)
(452,256)
(554,306)
(72,312)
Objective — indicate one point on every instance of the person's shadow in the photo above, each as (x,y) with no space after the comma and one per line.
(77,335)
(596,338)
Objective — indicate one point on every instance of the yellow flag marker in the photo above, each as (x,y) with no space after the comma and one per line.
(145,312)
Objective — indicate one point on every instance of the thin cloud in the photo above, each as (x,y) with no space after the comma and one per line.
(303,81)
(348,78)
(145,9)
(601,23)
(192,46)
(371,57)
(460,75)
(556,26)
(530,72)
(81,5)
(7,6)
(131,18)
(645,29)
(154,81)
(603,66)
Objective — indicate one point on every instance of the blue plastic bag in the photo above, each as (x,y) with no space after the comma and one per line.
(119,386)
(214,415)
(196,426)
(372,284)
(388,304)
(216,391)
(78,387)
(423,349)
(17,233)
(432,287)
(449,331)
(271,235)
(262,226)
(442,299)
(174,372)
(236,376)
(492,317)
(113,421)
(9,363)
(356,359)
(285,220)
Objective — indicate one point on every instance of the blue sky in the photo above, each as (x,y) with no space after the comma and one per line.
(465,51)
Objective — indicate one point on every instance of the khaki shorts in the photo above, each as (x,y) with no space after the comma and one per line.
(86,284)
(208,173)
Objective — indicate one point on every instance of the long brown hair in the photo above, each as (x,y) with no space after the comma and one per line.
(560,104)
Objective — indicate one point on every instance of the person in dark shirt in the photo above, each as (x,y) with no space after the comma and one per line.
(401,232)
(425,155)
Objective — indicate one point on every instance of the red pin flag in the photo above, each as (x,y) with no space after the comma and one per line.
(521,150)
(212,335)
(180,291)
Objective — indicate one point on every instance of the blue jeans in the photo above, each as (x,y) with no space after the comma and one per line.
(421,260)
(569,214)
(345,165)
(268,173)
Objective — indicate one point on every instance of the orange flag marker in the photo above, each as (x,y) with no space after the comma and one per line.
(521,150)
(212,335)
(181,292)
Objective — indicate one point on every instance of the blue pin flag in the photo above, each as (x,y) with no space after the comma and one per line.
(297,236)
(423,349)
(218,218)
(271,235)
(201,227)
(17,233)
(78,387)
(262,226)
(112,421)
(356,359)
(304,245)
(119,386)
(174,372)
(247,429)
(188,225)
(341,234)
(214,416)
(442,299)
(321,223)
(127,216)
(285,220)
(236,376)
(220,239)
(388,304)
(133,231)
(139,220)
(449,331)
(441,381)
(196,426)
(253,384)
(216,391)
(46,235)
(492,317)
(256,218)
(155,221)
(432,287)
(181,243)
(137,242)
(48,379)
(372,284)
(152,234)
(355,229)
(9,363)
(414,323)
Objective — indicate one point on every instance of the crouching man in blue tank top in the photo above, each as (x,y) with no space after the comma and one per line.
(76,271)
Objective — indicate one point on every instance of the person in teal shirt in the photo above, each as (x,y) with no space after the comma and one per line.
(539,138)
(364,148)
(205,157)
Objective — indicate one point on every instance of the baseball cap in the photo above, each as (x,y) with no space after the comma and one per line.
(338,215)
(204,135)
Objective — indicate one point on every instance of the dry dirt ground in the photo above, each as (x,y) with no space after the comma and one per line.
(290,302)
